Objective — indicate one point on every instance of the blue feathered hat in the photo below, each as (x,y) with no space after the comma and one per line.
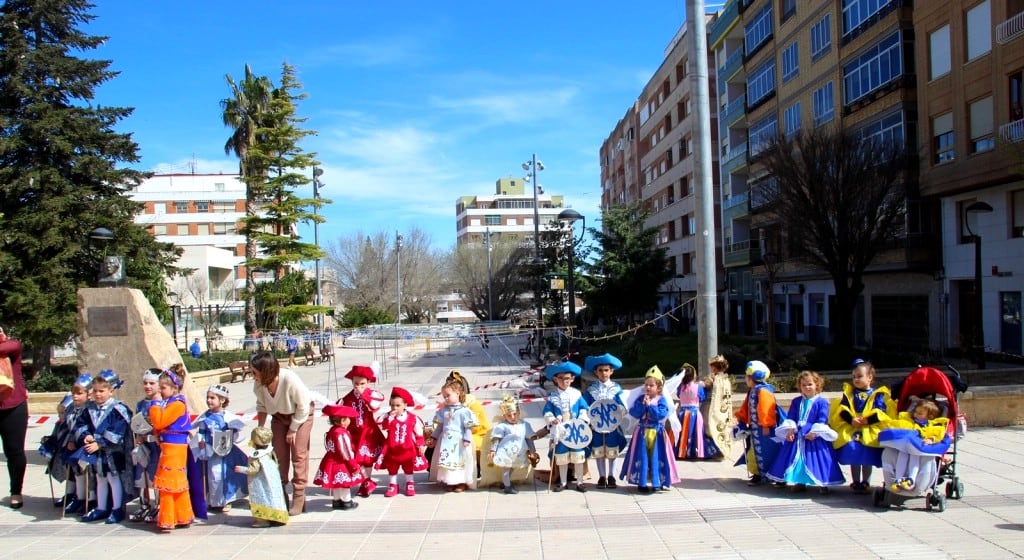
(112,378)
(64,404)
(84,381)
(758,370)
(591,363)
(563,367)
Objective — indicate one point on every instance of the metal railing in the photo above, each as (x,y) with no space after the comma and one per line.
(1010,29)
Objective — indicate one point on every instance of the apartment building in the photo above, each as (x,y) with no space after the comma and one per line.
(201,214)
(970,60)
(508,213)
(785,66)
(649,157)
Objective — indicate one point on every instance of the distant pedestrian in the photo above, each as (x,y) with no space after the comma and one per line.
(292,345)
(195,349)
(485,339)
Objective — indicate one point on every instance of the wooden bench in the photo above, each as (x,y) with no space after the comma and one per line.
(239,368)
(312,356)
(326,354)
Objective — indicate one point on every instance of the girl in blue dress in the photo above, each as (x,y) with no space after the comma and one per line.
(649,463)
(807,457)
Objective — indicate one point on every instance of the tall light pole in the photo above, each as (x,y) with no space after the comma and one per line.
(569,215)
(533,168)
(490,282)
(977,207)
(317,183)
(398,256)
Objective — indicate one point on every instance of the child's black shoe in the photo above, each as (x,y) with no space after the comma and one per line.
(602,482)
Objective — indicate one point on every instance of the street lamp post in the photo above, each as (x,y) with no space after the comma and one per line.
(533,168)
(317,183)
(398,256)
(569,215)
(977,207)
(771,266)
(490,281)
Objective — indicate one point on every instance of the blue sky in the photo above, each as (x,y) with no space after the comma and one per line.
(415,103)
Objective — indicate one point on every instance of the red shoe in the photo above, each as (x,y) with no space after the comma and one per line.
(367,488)
(392,491)
(410,488)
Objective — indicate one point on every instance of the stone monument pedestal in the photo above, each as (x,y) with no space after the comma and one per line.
(118,330)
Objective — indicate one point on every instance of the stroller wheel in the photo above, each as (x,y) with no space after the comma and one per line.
(940,503)
(959,490)
(950,489)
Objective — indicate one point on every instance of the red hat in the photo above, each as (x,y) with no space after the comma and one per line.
(402,394)
(340,410)
(362,371)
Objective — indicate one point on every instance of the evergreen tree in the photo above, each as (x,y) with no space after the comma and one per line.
(60,176)
(277,157)
(624,279)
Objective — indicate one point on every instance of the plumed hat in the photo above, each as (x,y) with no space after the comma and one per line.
(112,378)
(340,410)
(361,371)
(402,394)
(758,370)
(591,363)
(84,381)
(562,367)
(64,404)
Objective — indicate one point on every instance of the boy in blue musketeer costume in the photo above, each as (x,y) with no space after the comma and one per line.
(564,404)
(607,402)
(103,433)
(59,445)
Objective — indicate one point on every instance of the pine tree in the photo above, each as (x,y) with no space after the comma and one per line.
(60,176)
(277,151)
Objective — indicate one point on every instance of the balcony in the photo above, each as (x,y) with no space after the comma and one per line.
(1010,29)
(735,159)
(725,22)
(733,64)
(735,207)
(1012,131)
(733,111)
(741,253)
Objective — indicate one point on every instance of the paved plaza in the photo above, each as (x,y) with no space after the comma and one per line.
(712,513)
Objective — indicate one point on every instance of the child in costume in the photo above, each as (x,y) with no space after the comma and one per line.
(266,494)
(181,496)
(59,446)
(404,446)
(807,457)
(146,453)
(339,471)
(482,429)
(103,430)
(454,463)
(919,432)
(511,444)
(565,403)
(649,461)
(607,403)
(857,417)
(217,432)
(757,419)
(717,408)
(693,442)
(367,437)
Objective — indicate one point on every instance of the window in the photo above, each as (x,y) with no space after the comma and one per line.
(159,207)
(821,37)
(1017,214)
(182,229)
(879,65)
(790,62)
(763,133)
(788,9)
(202,229)
(681,70)
(938,52)
(160,229)
(223,229)
(219,187)
(858,12)
(979,30)
(685,147)
(203,206)
(982,138)
(824,104)
(791,119)
(887,130)
(758,31)
(181,207)
(942,138)
(1016,99)
(761,83)
(223,206)
(691,225)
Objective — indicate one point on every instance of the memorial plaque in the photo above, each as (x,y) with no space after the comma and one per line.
(107,321)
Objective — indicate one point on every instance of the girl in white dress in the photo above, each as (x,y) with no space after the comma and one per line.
(511,444)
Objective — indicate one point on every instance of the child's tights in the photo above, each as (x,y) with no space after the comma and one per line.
(343,494)
(907,466)
(109,485)
(860,473)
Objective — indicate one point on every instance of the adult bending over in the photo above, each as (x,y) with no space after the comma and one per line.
(282,396)
(13,417)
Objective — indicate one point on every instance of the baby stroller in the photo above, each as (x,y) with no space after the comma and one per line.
(936,460)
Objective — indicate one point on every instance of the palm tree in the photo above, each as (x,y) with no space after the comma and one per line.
(242,112)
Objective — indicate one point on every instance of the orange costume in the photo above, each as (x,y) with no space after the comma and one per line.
(171,426)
